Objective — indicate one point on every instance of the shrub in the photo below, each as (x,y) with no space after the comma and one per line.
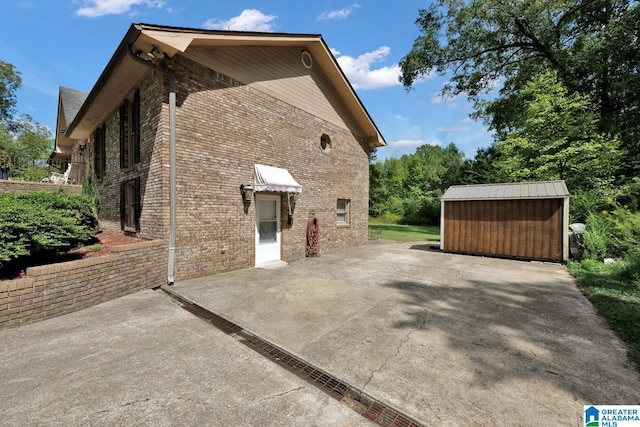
(44,222)
(421,211)
(626,231)
(597,236)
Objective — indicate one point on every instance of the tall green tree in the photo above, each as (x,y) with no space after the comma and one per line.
(409,188)
(10,82)
(558,138)
(28,144)
(592,45)
(24,143)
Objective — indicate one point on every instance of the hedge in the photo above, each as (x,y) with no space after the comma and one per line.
(44,222)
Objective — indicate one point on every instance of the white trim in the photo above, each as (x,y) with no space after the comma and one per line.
(442,224)
(261,249)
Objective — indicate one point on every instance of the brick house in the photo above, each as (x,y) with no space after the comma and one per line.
(225,143)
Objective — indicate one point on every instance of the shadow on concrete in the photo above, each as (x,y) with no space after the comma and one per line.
(514,330)
(433,247)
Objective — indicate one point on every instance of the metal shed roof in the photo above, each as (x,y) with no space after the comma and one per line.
(516,190)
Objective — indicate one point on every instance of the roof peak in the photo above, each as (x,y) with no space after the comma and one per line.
(142,26)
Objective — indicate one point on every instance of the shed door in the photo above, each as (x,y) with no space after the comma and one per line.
(512,228)
(267,228)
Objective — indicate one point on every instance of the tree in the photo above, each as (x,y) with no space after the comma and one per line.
(483,168)
(409,188)
(558,139)
(10,82)
(28,144)
(591,45)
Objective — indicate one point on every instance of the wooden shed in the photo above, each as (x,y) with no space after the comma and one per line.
(518,220)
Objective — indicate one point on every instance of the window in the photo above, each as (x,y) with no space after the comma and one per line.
(130,205)
(99,154)
(342,212)
(130,131)
(325,143)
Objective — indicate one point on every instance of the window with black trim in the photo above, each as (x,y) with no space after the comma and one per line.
(130,131)
(99,152)
(342,212)
(130,205)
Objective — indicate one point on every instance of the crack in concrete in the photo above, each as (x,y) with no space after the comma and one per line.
(279,395)
(423,321)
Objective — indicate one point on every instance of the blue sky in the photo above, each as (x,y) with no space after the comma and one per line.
(69,42)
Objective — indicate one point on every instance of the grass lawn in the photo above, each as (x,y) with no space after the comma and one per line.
(406,233)
(615,291)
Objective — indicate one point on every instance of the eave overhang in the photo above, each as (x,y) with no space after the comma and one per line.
(122,72)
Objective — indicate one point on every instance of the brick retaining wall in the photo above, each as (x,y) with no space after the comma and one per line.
(52,290)
(27,186)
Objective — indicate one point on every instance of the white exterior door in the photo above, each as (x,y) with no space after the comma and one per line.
(267,228)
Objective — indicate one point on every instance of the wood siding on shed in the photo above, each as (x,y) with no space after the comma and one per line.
(529,228)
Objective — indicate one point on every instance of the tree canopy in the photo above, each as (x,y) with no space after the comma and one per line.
(558,139)
(556,80)
(24,143)
(593,47)
(10,82)
(408,188)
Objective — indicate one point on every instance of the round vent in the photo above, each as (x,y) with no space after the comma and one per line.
(306,58)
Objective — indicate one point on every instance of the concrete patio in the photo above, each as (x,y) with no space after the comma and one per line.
(447,339)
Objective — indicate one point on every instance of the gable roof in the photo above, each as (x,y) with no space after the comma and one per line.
(71,100)
(123,72)
(69,103)
(516,190)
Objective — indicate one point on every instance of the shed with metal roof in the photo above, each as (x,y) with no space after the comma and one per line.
(528,220)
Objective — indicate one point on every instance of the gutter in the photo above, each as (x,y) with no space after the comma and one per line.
(172,159)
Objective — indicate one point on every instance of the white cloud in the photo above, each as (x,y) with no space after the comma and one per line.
(95,8)
(412,143)
(360,74)
(401,117)
(248,20)
(338,14)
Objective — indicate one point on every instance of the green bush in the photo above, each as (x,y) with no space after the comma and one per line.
(598,236)
(626,231)
(421,211)
(44,222)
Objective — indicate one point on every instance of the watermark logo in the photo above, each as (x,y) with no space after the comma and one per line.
(592,417)
(612,416)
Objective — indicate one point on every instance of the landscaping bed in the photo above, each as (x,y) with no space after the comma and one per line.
(100,245)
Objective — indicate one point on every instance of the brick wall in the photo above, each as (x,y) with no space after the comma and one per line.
(56,289)
(223,128)
(152,169)
(26,187)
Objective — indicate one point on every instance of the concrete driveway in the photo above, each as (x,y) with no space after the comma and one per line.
(446,339)
(141,360)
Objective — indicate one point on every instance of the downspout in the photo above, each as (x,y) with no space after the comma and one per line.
(172,158)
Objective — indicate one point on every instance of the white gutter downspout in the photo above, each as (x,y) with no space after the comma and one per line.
(172,159)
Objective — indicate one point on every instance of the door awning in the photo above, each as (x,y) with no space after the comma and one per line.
(269,178)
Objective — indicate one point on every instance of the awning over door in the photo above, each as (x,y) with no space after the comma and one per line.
(269,178)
